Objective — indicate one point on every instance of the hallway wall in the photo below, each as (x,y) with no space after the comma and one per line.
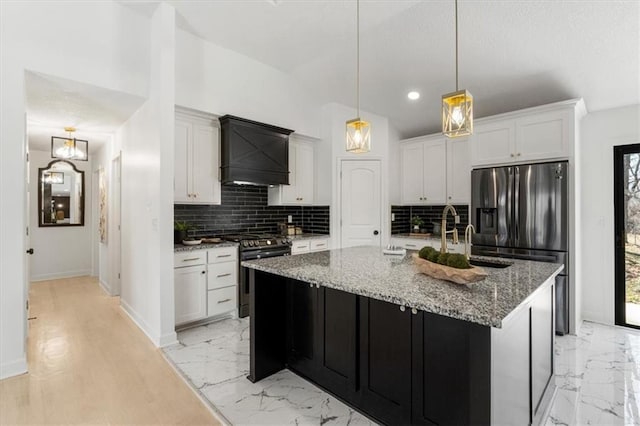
(59,251)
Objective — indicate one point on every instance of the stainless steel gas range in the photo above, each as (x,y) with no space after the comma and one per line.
(254,246)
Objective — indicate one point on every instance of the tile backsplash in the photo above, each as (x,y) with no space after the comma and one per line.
(429,214)
(244,209)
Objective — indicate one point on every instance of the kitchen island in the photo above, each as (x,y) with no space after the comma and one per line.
(405,348)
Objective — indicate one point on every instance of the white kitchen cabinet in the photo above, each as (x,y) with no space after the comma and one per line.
(435,170)
(222,280)
(300,247)
(416,243)
(319,244)
(190,283)
(301,176)
(197,160)
(526,136)
(458,171)
(424,171)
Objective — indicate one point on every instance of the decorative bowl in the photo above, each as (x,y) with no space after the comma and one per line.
(191,242)
(447,273)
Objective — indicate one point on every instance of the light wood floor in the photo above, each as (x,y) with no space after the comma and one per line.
(89,363)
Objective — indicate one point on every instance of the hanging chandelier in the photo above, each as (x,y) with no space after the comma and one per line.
(69,148)
(457,107)
(358,130)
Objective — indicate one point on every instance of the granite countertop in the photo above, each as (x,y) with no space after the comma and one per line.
(309,236)
(366,271)
(181,247)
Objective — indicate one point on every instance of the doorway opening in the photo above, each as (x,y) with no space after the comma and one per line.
(626,180)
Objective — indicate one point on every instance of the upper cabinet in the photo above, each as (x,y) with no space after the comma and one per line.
(301,176)
(197,159)
(435,170)
(458,171)
(537,134)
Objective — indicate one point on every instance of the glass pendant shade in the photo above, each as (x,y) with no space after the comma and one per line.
(69,148)
(457,114)
(358,136)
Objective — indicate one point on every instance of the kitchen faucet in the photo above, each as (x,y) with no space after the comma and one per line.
(469,230)
(456,219)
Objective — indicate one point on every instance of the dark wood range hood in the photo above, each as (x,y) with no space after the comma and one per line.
(253,153)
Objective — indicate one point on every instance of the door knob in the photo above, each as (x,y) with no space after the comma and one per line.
(30,251)
(375,232)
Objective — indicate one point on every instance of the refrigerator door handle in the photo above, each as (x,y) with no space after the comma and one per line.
(516,206)
(509,205)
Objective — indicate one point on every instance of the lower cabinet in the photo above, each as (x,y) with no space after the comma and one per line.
(402,366)
(385,361)
(190,284)
(321,336)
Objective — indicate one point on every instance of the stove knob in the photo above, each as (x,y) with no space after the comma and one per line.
(251,243)
(268,242)
(245,244)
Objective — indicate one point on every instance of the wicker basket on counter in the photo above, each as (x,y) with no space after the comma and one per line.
(447,273)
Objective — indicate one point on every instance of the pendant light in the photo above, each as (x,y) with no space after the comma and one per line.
(69,148)
(457,107)
(358,130)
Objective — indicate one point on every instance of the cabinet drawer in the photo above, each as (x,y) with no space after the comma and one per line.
(224,254)
(299,247)
(222,275)
(319,244)
(221,300)
(189,258)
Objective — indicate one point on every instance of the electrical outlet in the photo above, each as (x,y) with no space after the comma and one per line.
(290,219)
(393,217)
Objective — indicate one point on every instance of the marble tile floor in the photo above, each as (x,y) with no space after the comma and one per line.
(598,378)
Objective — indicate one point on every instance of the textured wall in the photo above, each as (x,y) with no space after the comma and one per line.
(244,209)
(428,214)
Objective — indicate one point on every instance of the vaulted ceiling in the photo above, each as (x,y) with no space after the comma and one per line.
(513,54)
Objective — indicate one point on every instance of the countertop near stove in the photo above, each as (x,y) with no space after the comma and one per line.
(366,271)
(181,247)
(308,236)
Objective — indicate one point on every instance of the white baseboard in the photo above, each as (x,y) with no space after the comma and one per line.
(140,322)
(595,317)
(105,286)
(168,339)
(13,368)
(58,275)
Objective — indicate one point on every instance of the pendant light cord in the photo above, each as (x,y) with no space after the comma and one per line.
(358,58)
(456,45)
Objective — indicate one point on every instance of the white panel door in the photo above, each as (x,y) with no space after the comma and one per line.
(190,285)
(206,185)
(412,172)
(458,171)
(435,172)
(182,149)
(361,205)
(304,171)
(493,143)
(543,136)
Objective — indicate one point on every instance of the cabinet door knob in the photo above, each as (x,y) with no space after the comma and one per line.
(449,197)
(402,308)
(311,285)
(512,155)
(414,311)
(204,272)
(518,154)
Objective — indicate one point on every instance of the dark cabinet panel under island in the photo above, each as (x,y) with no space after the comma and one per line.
(399,363)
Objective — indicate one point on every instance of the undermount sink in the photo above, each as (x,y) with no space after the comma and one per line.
(490,263)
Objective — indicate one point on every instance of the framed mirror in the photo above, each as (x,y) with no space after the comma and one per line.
(60,195)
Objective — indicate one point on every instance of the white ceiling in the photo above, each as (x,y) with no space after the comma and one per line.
(54,103)
(513,54)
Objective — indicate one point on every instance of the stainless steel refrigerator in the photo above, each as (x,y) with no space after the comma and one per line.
(522,212)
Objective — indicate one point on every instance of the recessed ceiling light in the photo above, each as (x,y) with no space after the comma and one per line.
(413,95)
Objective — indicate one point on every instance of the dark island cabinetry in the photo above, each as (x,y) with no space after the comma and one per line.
(399,365)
